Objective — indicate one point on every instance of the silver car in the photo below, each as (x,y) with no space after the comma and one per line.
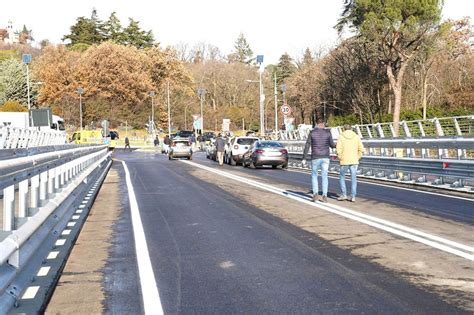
(180,147)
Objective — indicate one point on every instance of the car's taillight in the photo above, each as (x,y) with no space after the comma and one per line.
(236,147)
(284,151)
(259,151)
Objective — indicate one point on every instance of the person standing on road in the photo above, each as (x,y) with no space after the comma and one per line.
(166,142)
(127,144)
(320,141)
(156,142)
(220,147)
(349,151)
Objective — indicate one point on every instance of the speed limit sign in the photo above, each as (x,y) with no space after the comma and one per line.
(286,110)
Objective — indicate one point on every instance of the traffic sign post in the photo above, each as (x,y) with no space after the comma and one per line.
(286,110)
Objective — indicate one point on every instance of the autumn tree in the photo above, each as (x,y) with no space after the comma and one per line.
(398,28)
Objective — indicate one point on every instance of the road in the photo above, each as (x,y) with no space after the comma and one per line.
(220,245)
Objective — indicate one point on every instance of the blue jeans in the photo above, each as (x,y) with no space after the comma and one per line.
(322,164)
(342,182)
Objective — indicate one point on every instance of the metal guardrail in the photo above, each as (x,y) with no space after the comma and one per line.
(436,127)
(409,161)
(12,138)
(36,194)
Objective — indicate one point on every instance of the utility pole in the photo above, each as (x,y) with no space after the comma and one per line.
(201,93)
(152,94)
(262,101)
(169,110)
(27,60)
(80,91)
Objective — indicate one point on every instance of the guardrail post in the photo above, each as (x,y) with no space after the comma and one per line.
(460,153)
(43,186)
(63,175)
(8,208)
(51,182)
(34,194)
(57,174)
(22,198)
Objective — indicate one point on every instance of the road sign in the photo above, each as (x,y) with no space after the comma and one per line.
(286,110)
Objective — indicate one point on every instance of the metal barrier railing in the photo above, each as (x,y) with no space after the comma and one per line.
(436,161)
(436,127)
(12,138)
(31,191)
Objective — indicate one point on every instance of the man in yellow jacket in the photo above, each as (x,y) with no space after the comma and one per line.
(349,150)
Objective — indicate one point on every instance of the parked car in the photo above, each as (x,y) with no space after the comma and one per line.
(180,147)
(266,153)
(236,147)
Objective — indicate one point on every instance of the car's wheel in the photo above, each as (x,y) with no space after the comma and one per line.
(232,161)
(274,166)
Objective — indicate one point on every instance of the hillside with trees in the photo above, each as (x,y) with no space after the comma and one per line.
(401,63)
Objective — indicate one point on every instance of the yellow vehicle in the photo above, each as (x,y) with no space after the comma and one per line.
(87,137)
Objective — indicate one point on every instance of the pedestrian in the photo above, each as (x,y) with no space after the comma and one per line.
(320,141)
(156,142)
(220,146)
(349,151)
(127,144)
(166,142)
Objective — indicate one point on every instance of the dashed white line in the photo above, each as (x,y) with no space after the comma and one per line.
(150,294)
(60,242)
(43,271)
(53,255)
(30,293)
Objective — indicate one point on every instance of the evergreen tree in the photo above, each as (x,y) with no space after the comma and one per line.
(307,58)
(286,67)
(242,52)
(133,35)
(86,31)
(13,82)
(112,29)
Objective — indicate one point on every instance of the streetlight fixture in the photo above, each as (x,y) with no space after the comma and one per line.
(201,93)
(152,95)
(80,91)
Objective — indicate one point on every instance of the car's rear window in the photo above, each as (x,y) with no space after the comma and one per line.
(270,144)
(246,141)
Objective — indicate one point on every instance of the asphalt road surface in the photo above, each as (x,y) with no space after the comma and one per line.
(224,240)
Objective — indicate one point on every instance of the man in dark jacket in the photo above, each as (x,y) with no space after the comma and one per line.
(220,147)
(320,140)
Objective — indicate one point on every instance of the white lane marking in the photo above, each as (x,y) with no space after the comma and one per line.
(30,293)
(53,255)
(78,211)
(150,294)
(75,217)
(66,232)
(396,187)
(407,232)
(43,271)
(82,206)
(71,224)
(60,242)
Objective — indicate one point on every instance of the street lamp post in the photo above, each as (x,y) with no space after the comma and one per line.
(262,101)
(152,95)
(201,93)
(283,89)
(27,60)
(169,108)
(276,102)
(80,91)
